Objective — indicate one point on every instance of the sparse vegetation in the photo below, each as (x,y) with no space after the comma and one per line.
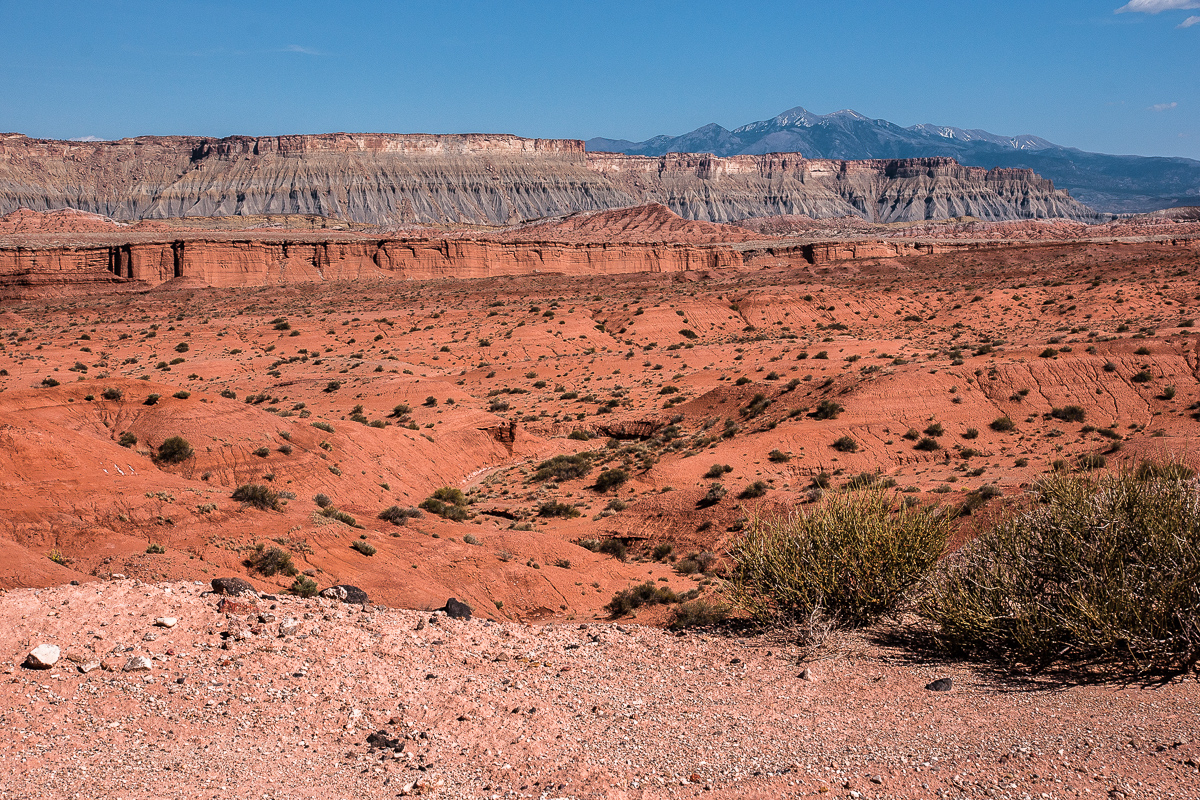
(257,495)
(271,561)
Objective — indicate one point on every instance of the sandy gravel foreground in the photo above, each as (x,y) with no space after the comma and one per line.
(277,698)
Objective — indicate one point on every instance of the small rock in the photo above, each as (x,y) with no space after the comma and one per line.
(941,685)
(166,622)
(138,664)
(346,594)
(381,741)
(288,627)
(877,779)
(457,610)
(233,587)
(88,666)
(44,656)
(806,674)
(111,664)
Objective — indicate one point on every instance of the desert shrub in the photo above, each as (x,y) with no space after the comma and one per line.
(662,551)
(1097,571)
(778,457)
(323,426)
(927,444)
(257,495)
(610,547)
(827,409)
(182,394)
(712,496)
(1169,470)
(322,500)
(262,452)
(935,429)
(174,450)
(971,433)
(648,593)
(365,548)
(1049,352)
(156,549)
(579,435)
(49,382)
(448,503)
(756,489)
(611,479)
(303,586)
(853,559)
(127,439)
(845,444)
(1002,424)
(397,515)
(717,470)
(111,394)
(563,468)
(151,399)
(699,613)
(1142,376)
(270,561)
(554,508)
(1069,413)
(1090,461)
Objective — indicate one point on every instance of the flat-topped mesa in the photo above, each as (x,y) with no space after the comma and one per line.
(461,144)
(491,179)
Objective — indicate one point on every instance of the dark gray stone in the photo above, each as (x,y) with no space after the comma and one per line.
(457,610)
(233,587)
(941,685)
(347,594)
(381,741)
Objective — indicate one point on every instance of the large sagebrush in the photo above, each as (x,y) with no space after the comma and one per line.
(851,560)
(1100,571)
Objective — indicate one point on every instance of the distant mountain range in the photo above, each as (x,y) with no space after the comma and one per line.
(1119,184)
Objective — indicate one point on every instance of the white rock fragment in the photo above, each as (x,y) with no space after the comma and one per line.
(138,664)
(44,656)
(166,622)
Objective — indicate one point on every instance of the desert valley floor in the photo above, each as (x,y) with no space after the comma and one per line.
(957,379)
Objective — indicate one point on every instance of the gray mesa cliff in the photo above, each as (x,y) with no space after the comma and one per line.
(477,179)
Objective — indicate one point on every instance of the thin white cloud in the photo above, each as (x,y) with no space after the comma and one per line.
(308,51)
(1163,106)
(1157,6)
(1189,22)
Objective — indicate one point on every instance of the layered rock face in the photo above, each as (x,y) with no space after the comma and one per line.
(476,179)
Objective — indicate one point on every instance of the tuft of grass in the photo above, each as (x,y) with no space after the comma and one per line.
(845,444)
(611,479)
(700,613)
(756,489)
(563,468)
(1002,424)
(554,508)
(1097,571)
(448,503)
(365,548)
(1069,413)
(853,559)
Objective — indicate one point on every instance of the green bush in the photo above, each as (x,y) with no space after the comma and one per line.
(269,561)
(303,586)
(323,426)
(1097,571)
(756,489)
(257,495)
(717,470)
(1069,413)
(853,559)
(448,503)
(111,394)
(156,549)
(1002,424)
(845,444)
(563,468)
(711,497)
(648,593)
(827,409)
(927,444)
(397,515)
(127,439)
(331,512)
(778,457)
(556,509)
(365,548)
(611,479)
(174,450)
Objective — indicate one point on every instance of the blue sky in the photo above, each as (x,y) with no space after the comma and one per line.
(1073,71)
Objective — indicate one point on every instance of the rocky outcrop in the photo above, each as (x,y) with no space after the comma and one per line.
(477,179)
